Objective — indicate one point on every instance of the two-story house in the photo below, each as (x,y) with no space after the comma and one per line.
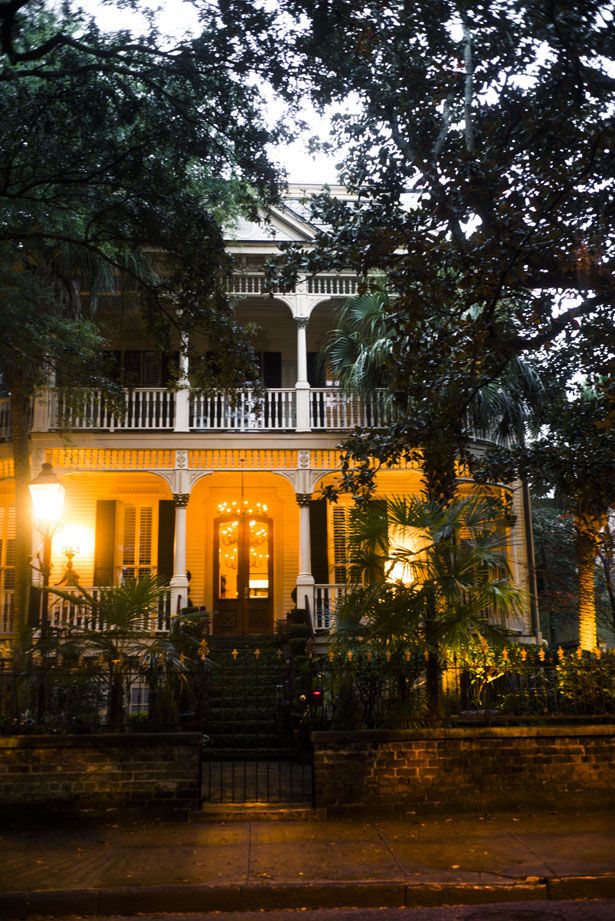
(220,496)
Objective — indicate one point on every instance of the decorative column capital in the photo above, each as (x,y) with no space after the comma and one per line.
(302,322)
(181,499)
(303,499)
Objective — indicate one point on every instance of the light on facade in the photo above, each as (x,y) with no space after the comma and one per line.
(47,499)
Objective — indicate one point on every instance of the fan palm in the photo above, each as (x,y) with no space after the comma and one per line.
(119,634)
(360,353)
(452,577)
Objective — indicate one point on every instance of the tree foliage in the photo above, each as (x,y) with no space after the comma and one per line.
(478,140)
(120,156)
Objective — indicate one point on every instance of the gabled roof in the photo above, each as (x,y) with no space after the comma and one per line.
(291,221)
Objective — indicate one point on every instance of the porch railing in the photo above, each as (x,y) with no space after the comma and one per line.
(242,411)
(326,600)
(69,614)
(332,410)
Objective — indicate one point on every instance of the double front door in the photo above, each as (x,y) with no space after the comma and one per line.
(243,575)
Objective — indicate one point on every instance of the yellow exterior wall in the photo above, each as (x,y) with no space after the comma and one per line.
(79,519)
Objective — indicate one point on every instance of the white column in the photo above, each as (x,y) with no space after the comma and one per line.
(179,580)
(182,394)
(305,579)
(302,386)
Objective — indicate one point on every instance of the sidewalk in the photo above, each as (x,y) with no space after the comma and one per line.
(88,865)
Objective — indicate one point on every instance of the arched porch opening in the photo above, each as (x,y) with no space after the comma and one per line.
(242,549)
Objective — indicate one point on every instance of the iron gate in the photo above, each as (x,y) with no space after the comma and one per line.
(256,744)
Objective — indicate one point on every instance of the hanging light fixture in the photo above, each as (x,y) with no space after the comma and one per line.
(244,508)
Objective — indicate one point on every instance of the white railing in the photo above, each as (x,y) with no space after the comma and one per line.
(248,284)
(141,408)
(333,285)
(155,409)
(69,614)
(242,411)
(332,410)
(7,609)
(5,419)
(326,601)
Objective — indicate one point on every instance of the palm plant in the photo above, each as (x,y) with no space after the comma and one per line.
(445,574)
(118,633)
(361,352)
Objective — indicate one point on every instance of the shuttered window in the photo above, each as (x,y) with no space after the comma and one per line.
(340,544)
(137,544)
(7,548)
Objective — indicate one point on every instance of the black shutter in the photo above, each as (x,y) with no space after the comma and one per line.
(315,370)
(104,551)
(132,366)
(166,538)
(170,365)
(272,369)
(318,535)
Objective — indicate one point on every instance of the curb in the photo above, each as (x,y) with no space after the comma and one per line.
(267,897)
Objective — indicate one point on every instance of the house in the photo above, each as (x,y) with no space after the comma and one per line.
(219,495)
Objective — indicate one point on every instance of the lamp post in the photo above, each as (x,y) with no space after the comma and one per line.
(47,494)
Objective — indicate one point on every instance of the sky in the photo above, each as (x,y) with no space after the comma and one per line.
(178,17)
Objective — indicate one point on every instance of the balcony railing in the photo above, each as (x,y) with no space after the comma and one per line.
(242,411)
(141,408)
(333,411)
(157,409)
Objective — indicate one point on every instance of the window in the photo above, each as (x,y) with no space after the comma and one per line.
(137,549)
(7,548)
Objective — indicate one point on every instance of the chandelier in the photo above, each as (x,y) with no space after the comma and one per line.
(244,508)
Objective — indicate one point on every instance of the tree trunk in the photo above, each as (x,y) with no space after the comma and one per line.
(439,473)
(587,529)
(20,435)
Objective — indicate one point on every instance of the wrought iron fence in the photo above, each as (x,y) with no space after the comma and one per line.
(50,696)
(389,689)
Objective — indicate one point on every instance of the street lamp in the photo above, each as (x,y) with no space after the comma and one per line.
(47,495)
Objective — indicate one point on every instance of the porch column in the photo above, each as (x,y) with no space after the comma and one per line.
(302,387)
(179,580)
(305,579)
(182,394)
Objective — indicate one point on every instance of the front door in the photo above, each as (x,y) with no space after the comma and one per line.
(243,575)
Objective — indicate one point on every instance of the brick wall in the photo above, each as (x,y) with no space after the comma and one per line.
(484,769)
(139,769)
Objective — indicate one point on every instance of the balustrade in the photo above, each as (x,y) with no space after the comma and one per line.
(138,409)
(154,409)
(326,601)
(332,410)
(244,411)
(71,613)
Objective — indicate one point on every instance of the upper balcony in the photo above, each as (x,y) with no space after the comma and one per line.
(317,409)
